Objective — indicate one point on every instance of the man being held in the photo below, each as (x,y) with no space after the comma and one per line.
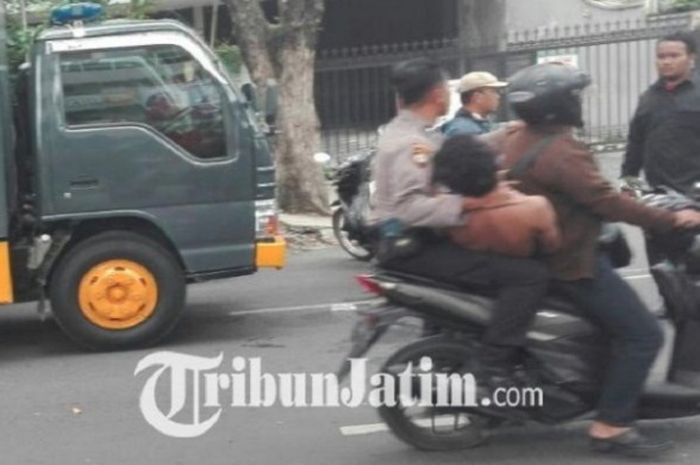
(501,219)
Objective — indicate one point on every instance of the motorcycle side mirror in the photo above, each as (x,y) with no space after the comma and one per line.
(249,92)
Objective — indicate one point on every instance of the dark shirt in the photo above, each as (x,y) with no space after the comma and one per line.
(664,137)
(466,123)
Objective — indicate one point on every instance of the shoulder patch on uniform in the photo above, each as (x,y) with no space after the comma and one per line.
(421,153)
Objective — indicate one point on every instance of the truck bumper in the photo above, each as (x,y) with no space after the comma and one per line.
(271,253)
(6,295)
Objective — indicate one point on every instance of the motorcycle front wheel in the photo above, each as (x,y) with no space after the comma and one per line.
(431,428)
(351,246)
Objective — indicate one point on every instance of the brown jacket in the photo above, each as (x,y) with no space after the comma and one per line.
(507,222)
(566,173)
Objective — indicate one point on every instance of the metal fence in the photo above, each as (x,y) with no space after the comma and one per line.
(353,94)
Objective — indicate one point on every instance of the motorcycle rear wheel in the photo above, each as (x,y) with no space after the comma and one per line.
(351,246)
(409,424)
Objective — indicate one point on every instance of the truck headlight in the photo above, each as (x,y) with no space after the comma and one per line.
(266,219)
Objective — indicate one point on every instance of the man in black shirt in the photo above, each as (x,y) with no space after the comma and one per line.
(664,137)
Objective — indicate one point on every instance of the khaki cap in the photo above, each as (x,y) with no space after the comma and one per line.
(478,79)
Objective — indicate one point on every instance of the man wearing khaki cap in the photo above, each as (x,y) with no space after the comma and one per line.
(480,96)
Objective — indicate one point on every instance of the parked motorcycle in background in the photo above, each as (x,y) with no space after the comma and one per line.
(352,181)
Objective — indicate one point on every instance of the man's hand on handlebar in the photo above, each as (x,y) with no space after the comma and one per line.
(631,185)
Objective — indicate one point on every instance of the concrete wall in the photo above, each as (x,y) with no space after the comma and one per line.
(533,14)
(620,72)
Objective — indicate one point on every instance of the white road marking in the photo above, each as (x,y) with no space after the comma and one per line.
(344,307)
(359,430)
(333,307)
(635,270)
(637,276)
(353,306)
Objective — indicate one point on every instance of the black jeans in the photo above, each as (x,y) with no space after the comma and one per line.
(520,284)
(636,338)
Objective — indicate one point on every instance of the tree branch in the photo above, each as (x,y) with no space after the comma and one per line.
(301,19)
(252,32)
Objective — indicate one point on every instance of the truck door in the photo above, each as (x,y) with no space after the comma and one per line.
(145,125)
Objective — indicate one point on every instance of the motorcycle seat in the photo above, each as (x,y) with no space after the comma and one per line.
(478,294)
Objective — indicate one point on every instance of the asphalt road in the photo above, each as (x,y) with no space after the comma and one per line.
(63,406)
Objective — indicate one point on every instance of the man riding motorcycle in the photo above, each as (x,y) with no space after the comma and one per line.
(547,98)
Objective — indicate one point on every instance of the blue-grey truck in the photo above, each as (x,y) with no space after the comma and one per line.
(132,165)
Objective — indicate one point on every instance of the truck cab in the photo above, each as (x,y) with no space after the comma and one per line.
(138,167)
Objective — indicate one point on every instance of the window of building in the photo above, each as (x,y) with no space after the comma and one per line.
(162,87)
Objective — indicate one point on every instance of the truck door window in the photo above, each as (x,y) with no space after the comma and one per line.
(163,87)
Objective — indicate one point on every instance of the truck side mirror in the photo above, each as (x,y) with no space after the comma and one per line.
(249,92)
(271,104)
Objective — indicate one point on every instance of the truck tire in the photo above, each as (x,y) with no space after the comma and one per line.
(117,290)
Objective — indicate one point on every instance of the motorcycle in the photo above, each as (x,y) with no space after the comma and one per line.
(565,354)
(350,212)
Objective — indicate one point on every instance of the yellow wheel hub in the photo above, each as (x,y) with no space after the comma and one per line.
(118,294)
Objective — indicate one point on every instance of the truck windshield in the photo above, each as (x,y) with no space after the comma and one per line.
(160,86)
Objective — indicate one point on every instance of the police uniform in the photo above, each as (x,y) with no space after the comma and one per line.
(402,174)
(404,194)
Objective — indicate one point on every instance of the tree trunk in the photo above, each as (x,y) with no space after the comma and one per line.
(285,51)
(300,181)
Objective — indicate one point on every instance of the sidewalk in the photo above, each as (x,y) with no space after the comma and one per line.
(306,221)
(307,232)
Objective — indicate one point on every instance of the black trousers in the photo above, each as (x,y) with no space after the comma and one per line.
(636,338)
(520,284)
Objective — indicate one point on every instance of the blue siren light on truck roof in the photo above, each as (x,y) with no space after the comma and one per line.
(76,12)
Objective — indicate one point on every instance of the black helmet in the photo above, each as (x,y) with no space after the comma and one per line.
(548,93)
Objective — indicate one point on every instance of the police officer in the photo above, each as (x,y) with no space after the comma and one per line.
(411,212)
